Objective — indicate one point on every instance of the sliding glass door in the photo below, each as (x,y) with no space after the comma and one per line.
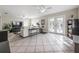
(56,25)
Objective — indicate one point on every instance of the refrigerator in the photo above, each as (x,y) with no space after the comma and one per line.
(75,31)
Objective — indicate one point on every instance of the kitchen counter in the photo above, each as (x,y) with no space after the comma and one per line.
(33,31)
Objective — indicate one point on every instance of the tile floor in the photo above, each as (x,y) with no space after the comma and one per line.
(41,43)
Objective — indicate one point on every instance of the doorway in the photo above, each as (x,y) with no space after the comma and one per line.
(57,25)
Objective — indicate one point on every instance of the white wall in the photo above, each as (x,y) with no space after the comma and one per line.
(6,19)
(78,12)
(0,22)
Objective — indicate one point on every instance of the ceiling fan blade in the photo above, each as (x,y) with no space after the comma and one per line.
(43,10)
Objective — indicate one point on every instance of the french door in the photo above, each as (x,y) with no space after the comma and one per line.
(56,25)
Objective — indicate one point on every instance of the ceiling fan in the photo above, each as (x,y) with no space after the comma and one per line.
(44,8)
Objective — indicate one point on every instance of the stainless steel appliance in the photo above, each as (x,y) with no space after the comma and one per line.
(76,34)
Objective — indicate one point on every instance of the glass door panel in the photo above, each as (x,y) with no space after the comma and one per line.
(51,25)
(56,25)
(60,26)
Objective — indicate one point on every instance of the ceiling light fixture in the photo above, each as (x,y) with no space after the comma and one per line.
(44,8)
(24,17)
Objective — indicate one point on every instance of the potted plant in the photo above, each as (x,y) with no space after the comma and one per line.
(7,26)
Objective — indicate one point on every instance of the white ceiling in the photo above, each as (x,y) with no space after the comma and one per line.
(32,11)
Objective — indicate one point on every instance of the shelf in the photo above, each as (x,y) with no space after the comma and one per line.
(69,28)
